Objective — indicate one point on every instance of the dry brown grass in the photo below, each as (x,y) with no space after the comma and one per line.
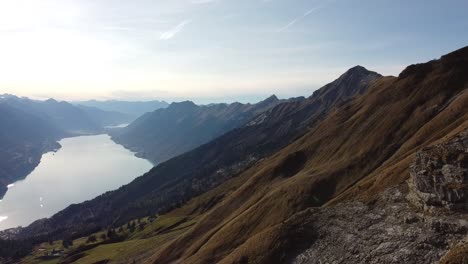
(357,151)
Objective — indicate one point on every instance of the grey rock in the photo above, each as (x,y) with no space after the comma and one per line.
(414,223)
(439,176)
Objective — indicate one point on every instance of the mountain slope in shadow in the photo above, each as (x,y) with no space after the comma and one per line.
(179,179)
(30,128)
(341,169)
(169,132)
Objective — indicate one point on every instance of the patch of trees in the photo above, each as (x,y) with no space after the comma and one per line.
(13,249)
(91,239)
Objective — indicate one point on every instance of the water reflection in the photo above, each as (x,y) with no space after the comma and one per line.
(82,169)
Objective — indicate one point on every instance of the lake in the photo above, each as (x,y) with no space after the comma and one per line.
(82,169)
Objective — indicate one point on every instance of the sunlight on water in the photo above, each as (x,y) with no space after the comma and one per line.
(82,169)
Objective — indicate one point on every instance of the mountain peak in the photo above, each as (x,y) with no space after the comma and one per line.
(353,82)
(272,98)
(358,69)
(182,105)
(51,100)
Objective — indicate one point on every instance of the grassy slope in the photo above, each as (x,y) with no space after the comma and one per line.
(141,244)
(357,151)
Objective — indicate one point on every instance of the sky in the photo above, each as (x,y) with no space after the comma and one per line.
(213,50)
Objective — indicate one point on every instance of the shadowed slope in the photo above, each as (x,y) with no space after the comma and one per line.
(23,139)
(356,152)
(176,181)
(181,127)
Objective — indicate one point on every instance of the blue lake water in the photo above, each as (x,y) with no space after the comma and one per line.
(82,169)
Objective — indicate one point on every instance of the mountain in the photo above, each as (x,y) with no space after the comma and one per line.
(63,115)
(105,118)
(30,128)
(23,139)
(179,179)
(166,133)
(339,193)
(375,177)
(132,109)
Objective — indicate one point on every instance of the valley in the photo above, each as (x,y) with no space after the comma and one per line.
(83,168)
(294,175)
(233,132)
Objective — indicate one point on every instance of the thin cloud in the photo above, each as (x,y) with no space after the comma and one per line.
(174,31)
(297,19)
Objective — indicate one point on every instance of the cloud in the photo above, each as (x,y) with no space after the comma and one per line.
(297,19)
(174,31)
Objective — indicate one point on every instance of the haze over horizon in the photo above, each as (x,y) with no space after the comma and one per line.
(213,50)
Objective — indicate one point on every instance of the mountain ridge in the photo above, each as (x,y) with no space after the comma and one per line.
(179,179)
(183,126)
(31,128)
(268,206)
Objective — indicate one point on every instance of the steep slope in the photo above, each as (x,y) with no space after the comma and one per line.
(173,182)
(297,199)
(23,139)
(166,133)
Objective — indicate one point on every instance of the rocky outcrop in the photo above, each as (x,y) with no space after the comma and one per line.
(389,231)
(392,229)
(439,176)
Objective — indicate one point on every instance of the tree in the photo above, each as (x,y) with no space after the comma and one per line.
(66,243)
(131,227)
(110,233)
(91,239)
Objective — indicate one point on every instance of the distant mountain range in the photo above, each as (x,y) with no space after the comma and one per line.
(195,172)
(369,169)
(169,132)
(130,108)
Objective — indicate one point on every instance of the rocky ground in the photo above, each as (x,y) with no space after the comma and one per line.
(425,221)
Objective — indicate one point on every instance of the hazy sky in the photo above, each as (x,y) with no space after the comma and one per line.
(213,50)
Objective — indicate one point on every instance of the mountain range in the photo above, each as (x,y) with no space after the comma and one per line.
(368,169)
(169,132)
(132,109)
(32,127)
(177,180)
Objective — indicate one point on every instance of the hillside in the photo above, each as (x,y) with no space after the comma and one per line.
(381,178)
(166,133)
(316,193)
(30,128)
(177,180)
(23,138)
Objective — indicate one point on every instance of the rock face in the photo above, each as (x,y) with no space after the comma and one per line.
(391,229)
(439,176)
